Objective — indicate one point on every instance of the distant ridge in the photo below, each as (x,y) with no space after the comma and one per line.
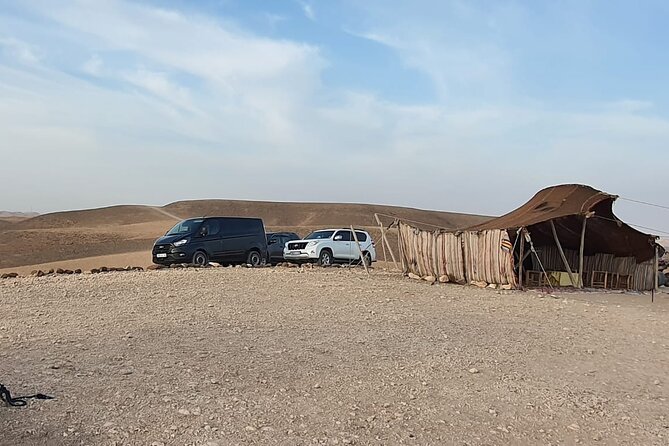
(132,228)
(10,214)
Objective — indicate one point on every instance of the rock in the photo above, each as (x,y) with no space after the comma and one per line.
(176,265)
(103,269)
(184,412)
(215,264)
(126,371)
(508,286)
(51,271)
(414,276)
(480,284)
(60,271)
(492,286)
(292,265)
(444,279)
(95,271)
(9,275)
(68,271)
(154,267)
(429,278)
(473,370)
(250,429)
(77,271)
(317,386)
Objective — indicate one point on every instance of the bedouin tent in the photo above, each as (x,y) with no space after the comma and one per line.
(566,235)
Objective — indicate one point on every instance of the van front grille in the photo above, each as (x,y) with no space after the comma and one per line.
(299,245)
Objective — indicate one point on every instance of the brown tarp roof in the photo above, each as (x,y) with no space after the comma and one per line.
(566,205)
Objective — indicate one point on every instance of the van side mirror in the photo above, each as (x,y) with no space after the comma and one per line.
(271,241)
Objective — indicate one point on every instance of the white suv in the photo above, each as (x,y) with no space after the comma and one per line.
(331,245)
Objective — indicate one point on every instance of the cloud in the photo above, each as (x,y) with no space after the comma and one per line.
(21,51)
(308,10)
(93,66)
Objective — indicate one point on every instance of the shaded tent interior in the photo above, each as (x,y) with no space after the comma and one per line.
(611,247)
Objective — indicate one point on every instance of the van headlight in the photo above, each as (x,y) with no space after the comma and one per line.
(314,243)
(181,242)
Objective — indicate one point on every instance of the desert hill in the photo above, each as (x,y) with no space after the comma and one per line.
(115,230)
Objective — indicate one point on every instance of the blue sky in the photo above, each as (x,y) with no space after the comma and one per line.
(466,106)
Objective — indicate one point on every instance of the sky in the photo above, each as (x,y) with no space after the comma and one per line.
(467,106)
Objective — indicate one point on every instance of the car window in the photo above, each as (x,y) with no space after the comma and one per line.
(362,237)
(214,227)
(345,236)
(319,235)
(185,227)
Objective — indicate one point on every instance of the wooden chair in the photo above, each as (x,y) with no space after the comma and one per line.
(613,279)
(624,282)
(533,278)
(599,279)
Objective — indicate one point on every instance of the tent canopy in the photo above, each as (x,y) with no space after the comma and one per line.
(567,205)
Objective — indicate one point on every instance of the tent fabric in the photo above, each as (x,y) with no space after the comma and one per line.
(463,257)
(568,205)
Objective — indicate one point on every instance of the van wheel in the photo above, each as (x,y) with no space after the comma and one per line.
(367,258)
(325,258)
(200,258)
(254,258)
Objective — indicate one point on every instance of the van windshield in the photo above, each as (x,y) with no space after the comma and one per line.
(318,235)
(185,227)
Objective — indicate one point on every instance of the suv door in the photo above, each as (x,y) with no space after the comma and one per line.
(341,245)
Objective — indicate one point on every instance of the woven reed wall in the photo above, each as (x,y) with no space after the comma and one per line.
(643,274)
(464,256)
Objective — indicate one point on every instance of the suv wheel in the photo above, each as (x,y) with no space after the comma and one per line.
(200,258)
(367,258)
(254,258)
(325,258)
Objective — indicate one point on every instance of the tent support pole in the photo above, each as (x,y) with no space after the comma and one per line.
(573,280)
(362,256)
(383,236)
(580,253)
(385,241)
(521,234)
(655,274)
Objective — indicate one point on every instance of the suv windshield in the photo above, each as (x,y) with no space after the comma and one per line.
(185,227)
(318,235)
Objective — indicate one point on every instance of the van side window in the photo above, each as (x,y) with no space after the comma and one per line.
(214,227)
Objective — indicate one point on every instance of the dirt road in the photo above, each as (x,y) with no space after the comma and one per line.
(326,356)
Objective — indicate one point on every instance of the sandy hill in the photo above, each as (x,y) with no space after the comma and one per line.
(96,233)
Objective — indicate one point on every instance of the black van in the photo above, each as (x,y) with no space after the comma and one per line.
(220,239)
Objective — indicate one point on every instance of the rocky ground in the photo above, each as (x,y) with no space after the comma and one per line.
(228,356)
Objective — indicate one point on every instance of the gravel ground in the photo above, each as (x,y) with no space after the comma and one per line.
(230,356)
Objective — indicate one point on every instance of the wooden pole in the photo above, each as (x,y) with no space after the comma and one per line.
(521,234)
(384,240)
(655,273)
(573,280)
(580,253)
(383,236)
(362,256)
